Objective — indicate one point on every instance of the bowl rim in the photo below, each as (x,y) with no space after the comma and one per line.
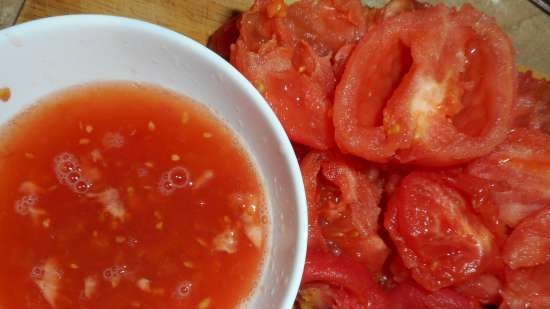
(226,68)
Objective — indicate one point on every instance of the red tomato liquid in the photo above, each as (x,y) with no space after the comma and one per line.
(119,195)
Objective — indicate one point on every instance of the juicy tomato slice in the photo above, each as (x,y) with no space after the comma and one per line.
(221,40)
(343,197)
(410,296)
(527,288)
(529,243)
(436,233)
(533,107)
(485,289)
(519,173)
(344,274)
(441,92)
(326,25)
(295,81)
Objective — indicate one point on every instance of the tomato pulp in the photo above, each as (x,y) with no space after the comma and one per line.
(126,196)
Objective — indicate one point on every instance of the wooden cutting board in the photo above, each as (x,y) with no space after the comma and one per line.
(194,18)
(528,26)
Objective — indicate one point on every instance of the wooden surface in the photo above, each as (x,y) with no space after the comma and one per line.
(528,26)
(194,18)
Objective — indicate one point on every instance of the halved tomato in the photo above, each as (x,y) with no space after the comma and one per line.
(287,55)
(519,173)
(333,282)
(343,196)
(436,233)
(527,288)
(295,81)
(529,244)
(435,86)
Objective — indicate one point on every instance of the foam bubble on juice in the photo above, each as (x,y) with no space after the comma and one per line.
(68,173)
(176,178)
(183,290)
(24,204)
(114,274)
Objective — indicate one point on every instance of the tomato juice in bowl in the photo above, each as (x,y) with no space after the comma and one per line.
(124,110)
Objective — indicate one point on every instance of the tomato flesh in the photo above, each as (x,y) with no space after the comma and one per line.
(420,103)
(343,210)
(436,233)
(529,243)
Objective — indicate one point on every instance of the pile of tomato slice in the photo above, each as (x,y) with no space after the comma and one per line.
(425,154)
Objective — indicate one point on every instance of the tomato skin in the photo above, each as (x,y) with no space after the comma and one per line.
(436,233)
(405,115)
(529,243)
(527,288)
(343,273)
(343,196)
(221,40)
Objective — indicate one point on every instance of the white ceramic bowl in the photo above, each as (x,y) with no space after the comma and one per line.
(51,54)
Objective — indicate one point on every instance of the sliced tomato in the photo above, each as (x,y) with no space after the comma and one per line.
(410,296)
(346,278)
(527,288)
(407,296)
(326,25)
(529,244)
(485,289)
(343,196)
(295,81)
(533,108)
(479,191)
(221,40)
(519,174)
(433,86)
(436,232)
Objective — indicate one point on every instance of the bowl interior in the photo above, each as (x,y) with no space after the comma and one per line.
(51,54)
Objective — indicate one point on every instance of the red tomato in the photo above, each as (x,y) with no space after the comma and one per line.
(479,192)
(409,296)
(326,25)
(295,81)
(436,233)
(519,173)
(417,88)
(533,108)
(529,244)
(527,288)
(485,289)
(221,40)
(343,197)
(341,273)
